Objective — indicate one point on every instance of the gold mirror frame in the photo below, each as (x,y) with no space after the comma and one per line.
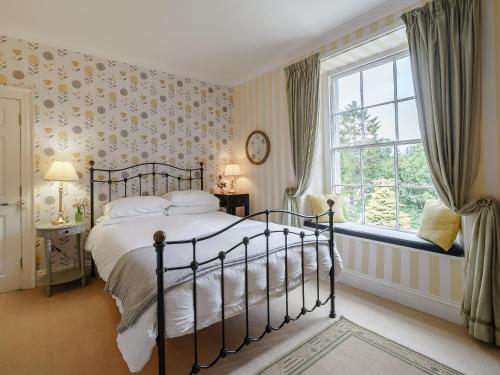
(268,147)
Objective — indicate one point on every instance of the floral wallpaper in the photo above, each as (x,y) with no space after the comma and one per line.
(117,114)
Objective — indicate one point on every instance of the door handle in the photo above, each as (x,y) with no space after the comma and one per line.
(12,204)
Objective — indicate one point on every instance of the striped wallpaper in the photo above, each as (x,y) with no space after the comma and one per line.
(261,104)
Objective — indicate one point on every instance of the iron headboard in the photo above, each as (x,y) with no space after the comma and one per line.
(154,169)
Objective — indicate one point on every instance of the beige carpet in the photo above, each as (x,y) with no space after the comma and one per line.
(347,348)
(74,332)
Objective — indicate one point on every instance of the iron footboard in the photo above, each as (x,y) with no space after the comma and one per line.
(160,243)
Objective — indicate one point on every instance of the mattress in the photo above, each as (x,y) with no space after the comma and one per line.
(108,243)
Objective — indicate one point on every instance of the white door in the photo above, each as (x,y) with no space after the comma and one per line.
(10,195)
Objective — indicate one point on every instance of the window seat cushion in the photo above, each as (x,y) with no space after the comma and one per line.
(390,236)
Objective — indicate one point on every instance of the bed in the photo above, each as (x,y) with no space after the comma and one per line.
(229,263)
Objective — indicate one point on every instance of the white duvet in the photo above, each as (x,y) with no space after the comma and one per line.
(108,243)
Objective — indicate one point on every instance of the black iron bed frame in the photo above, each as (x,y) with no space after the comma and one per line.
(160,242)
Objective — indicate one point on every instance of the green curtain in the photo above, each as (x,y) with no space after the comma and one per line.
(302,88)
(481,304)
(444,42)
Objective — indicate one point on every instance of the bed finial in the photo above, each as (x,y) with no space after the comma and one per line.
(330,202)
(91,164)
(159,236)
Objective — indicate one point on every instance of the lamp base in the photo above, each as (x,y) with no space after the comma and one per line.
(231,190)
(60,218)
(59,221)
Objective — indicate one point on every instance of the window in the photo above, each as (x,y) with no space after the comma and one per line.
(378,164)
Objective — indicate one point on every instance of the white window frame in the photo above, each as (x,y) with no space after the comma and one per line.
(329,113)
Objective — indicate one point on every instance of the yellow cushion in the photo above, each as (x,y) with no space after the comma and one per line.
(319,206)
(439,224)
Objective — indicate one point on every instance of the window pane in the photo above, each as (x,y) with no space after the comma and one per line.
(378,85)
(408,120)
(351,203)
(378,165)
(348,129)
(405,81)
(380,124)
(365,177)
(411,205)
(347,167)
(348,92)
(380,206)
(413,167)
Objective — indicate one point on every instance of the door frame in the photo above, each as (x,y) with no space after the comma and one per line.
(28,250)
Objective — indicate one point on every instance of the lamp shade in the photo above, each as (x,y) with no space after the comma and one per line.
(61,171)
(232,170)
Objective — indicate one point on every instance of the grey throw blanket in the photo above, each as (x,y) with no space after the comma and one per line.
(133,279)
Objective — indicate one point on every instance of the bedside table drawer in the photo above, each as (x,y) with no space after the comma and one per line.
(67,231)
(238,201)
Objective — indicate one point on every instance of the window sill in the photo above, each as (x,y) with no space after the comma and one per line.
(391,237)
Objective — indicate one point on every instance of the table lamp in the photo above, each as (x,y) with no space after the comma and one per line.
(61,171)
(232,170)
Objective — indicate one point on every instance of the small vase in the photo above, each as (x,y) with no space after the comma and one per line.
(78,215)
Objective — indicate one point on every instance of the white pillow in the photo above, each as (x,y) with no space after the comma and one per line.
(106,220)
(193,210)
(133,206)
(191,198)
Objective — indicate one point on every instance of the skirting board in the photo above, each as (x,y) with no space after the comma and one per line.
(442,308)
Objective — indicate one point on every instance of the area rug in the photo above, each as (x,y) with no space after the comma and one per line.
(346,348)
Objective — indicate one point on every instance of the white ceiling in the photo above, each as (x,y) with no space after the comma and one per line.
(225,41)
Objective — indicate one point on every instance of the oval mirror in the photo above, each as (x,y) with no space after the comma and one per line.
(258,147)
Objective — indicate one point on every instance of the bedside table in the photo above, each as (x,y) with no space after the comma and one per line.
(231,201)
(50,232)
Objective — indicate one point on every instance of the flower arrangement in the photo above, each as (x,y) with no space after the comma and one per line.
(221,184)
(79,204)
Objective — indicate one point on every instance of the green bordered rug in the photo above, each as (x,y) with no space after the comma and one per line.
(348,349)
